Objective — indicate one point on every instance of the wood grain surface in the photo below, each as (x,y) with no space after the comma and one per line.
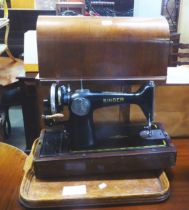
(9,70)
(102,47)
(11,172)
(12,161)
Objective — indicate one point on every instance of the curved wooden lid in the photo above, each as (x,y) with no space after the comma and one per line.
(102,47)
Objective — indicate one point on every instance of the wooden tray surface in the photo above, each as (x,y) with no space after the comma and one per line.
(144,187)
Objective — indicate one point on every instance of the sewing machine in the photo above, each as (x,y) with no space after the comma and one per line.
(81,147)
(90,64)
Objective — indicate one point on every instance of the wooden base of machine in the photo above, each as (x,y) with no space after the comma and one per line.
(115,156)
(131,188)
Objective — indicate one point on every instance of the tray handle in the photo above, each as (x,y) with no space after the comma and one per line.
(29,160)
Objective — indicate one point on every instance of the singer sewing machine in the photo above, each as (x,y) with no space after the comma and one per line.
(90,64)
(81,148)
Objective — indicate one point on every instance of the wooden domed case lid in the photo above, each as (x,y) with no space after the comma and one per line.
(102,47)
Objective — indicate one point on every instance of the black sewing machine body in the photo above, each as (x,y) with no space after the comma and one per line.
(80,147)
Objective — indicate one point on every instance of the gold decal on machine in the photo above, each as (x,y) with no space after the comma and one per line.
(113,100)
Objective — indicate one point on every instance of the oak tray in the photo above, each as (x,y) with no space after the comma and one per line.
(132,188)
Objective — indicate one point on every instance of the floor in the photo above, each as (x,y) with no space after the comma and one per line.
(17,137)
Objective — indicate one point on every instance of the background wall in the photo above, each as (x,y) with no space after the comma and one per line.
(146,8)
(183,24)
(22,3)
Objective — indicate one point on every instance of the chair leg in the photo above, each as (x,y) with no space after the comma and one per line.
(10,54)
(2,119)
(6,42)
(5,125)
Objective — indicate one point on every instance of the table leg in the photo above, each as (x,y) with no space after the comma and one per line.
(30,110)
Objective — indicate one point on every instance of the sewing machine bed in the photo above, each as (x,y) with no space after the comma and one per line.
(125,148)
(108,138)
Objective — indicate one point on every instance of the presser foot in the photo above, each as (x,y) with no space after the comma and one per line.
(152,132)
